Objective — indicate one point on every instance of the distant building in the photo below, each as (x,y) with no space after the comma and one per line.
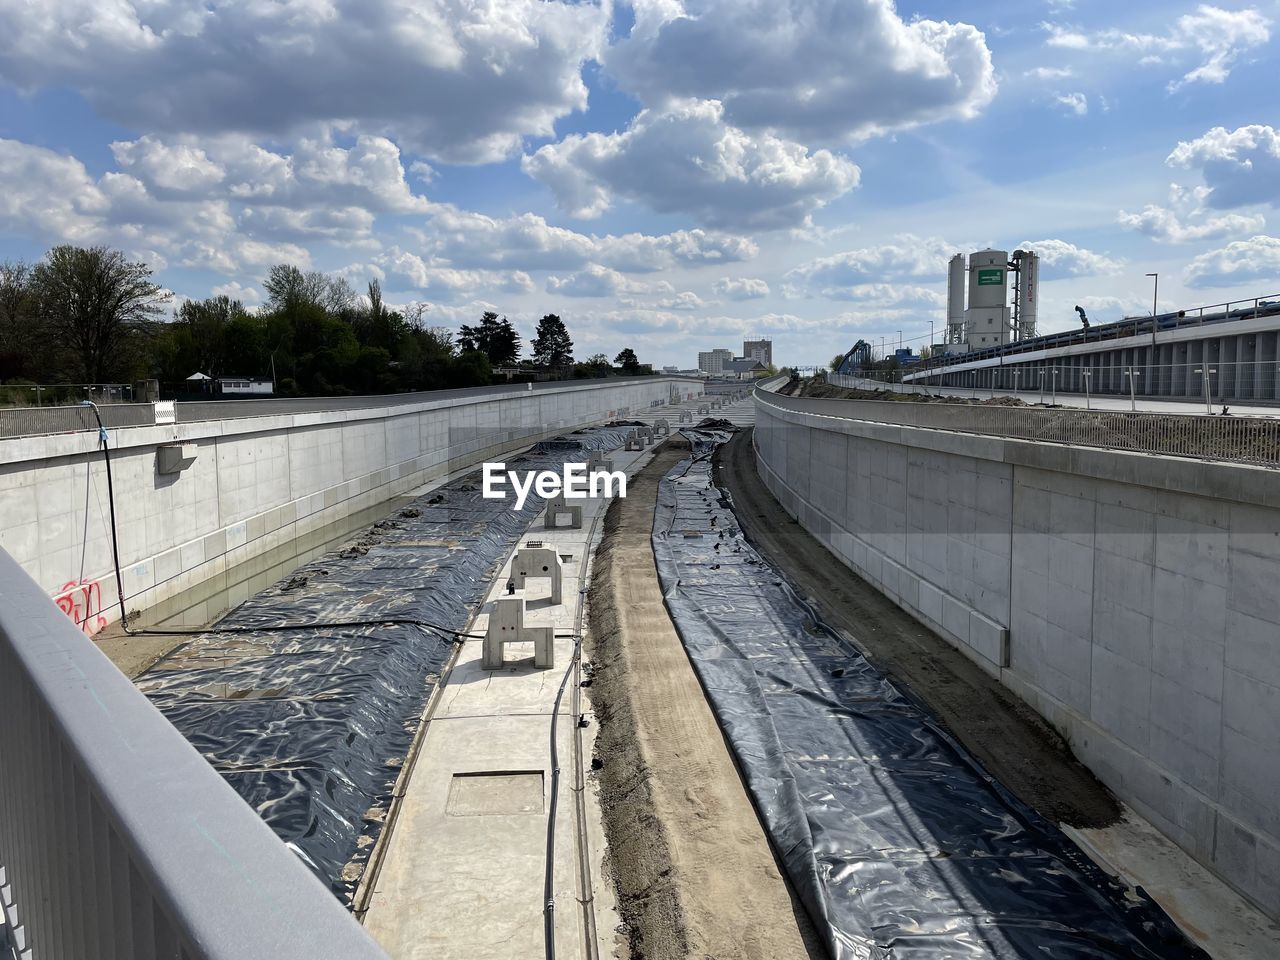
(761,350)
(248,386)
(711,362)
(747,368)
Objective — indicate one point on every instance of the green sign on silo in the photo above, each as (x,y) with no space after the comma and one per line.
(988,278)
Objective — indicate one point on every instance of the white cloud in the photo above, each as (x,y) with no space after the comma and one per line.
(741,288)
(822,69)
(457,79)
(1217,38)
(1049,73)
(686,159)
(527,241)
(249,296)
(1185,219)
(368,173)
(1240,166)
(1076,103)
(685,300)
(1059,258)
(600,281)
(440,280)
(51,197)
(1243,261)
(907,256)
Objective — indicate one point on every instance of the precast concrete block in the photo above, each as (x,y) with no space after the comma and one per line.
(703,410)
(661,428)
(634,442)
(598,462)
(506,625)
(539,561)
(558,507)
(989,638)
(685,417)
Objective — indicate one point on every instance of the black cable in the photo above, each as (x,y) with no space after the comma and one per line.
(548,885)
(111,504)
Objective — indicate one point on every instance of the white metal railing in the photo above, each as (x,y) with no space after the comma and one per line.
(118,840)
(1252,440)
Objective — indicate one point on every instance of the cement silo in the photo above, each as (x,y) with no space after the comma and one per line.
(987,319)
(1026,293)
(955,300)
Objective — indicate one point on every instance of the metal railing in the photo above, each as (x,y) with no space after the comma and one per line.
(1213,385)
(118,841)
(1251,440)
(37,421)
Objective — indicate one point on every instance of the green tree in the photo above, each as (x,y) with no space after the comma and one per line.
(24,350)
(95,301)
(552,346)
(836,361)
(496,338)
(206,324)
(628,361)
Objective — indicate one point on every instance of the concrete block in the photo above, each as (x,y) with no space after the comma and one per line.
(661,428)
(930,603)
(685,417)
(955,618)
(989,638)
(634,442)
(558,508)
(537,562)
(598,462)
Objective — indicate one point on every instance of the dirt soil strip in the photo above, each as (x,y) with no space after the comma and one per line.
(1012,741)
(694,872)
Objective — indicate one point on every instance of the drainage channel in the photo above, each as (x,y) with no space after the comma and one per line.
(313,726)
(895,838)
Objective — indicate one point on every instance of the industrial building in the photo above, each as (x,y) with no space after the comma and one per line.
(1220,353)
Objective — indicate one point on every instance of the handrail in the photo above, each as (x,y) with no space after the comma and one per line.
(117,839)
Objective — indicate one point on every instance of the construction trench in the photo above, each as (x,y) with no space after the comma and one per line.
(755,754)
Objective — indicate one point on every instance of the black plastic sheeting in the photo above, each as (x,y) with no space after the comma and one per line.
(896,840)
(311,726)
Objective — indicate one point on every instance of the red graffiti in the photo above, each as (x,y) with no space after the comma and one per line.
(81,600)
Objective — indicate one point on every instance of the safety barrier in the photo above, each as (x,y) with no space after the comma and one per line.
(117,839)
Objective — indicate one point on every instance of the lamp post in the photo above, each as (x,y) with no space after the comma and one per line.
(1155,300)
(1087,374)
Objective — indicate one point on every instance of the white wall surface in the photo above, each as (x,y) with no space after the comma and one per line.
(1131,599)
(257,487)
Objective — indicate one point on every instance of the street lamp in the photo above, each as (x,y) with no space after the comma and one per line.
(1155,300)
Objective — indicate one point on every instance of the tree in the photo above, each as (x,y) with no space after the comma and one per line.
(496,339)
(205,324)
(22,345)
(836,361)
(628,361)
(552,346)
(95,300)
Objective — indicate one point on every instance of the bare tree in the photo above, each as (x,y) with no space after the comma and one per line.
(93,299)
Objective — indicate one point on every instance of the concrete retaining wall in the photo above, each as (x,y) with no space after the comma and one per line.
(1131,599)
(262,495)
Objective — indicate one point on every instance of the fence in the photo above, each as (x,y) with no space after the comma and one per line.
(117,839)
(1253,440)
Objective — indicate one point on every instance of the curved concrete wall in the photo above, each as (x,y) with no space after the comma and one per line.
(262,494)
(1129,598)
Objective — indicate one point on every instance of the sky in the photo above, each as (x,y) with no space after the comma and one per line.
(668,175)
